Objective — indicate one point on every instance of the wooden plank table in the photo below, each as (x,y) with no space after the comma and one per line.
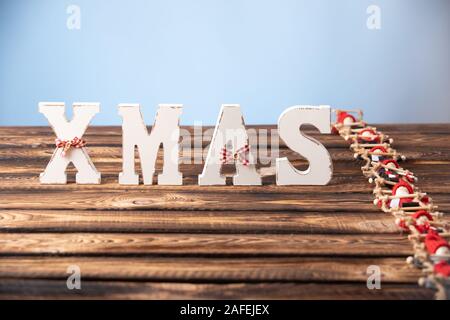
(183,242)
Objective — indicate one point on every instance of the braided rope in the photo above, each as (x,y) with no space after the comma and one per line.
(395,193)
(67,144)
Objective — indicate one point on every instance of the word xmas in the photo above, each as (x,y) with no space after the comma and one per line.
(229,144)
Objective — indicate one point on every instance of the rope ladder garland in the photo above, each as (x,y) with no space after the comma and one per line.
(396,193)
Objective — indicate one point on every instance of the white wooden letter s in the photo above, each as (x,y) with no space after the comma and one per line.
(320,168)
(82,114)
(165,131)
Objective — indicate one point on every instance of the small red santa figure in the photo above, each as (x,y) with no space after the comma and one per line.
(377,153)
(343,119)
(390,171)
(437,246)
(420,220)
(402,188)
(442,268)
(368,135)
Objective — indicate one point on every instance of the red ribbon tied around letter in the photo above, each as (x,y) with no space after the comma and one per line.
(239,155)
(67,144)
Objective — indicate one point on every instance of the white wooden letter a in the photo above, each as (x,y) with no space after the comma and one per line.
(55,172)
(229,137)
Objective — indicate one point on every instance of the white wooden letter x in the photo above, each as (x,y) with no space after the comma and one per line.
(69,150)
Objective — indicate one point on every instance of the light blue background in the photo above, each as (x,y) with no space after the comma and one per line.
(265,55)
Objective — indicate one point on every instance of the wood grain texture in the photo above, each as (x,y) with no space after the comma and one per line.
(55,289)
(200,269)
(207,200)
(274,222)
(203,244)
(221,242)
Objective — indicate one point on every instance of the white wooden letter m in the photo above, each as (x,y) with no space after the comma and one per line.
(69,143)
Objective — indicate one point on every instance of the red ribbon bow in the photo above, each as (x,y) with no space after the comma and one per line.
(67,144)
(239,155)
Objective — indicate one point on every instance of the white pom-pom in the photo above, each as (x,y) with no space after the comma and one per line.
(421,282)
(410,260)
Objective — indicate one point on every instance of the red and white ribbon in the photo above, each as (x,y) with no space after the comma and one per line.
(240,155)
(67,144)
